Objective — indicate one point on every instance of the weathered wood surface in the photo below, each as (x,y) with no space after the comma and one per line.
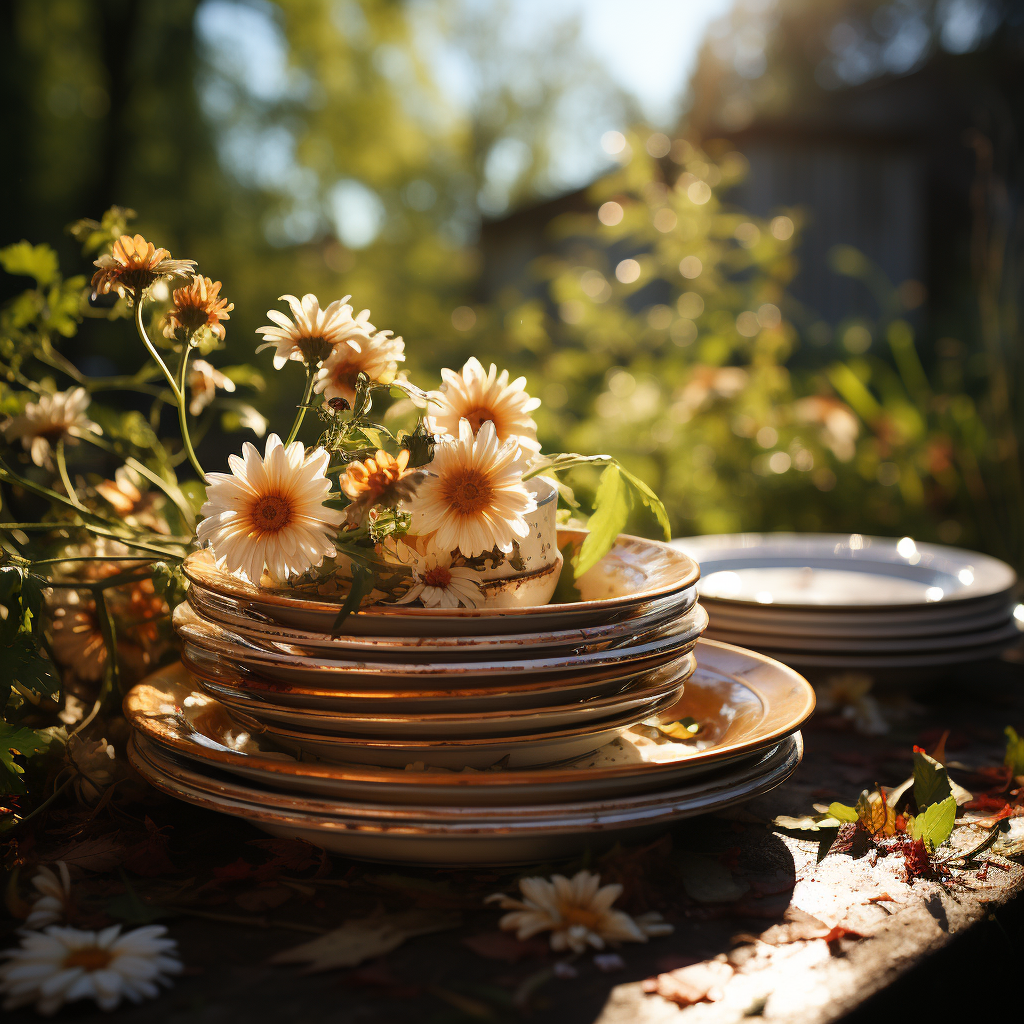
(734,888)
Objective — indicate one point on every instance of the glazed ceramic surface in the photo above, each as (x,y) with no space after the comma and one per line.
(454,700)
(743,702)
(292,664)
(519,750)
(627,582)
(842,571)
(253,626)
(465,836)
(394,720)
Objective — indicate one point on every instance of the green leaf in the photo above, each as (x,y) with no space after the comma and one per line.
(613,503)
(935,824)
(931,781)
(843,812)
(362,583)
(1014,758)
(16,740)
(651,500)
(38,261)
(21,662)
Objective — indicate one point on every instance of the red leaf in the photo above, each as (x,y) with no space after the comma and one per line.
(840,931)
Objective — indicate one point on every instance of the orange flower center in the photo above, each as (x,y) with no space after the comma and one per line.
(89,958)
(271,513)
(580,915)
(468,492)
(478,417)
(439,576)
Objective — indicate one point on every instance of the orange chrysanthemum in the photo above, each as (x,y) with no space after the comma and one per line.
(198,305)
(133,265)
(377,476)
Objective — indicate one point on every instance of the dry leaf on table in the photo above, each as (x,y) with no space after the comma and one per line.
(364,938)
(698,983)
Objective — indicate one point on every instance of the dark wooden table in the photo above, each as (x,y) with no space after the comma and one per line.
(739,892)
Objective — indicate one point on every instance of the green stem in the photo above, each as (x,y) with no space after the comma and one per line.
(49,800)
(109,638)
(182,412)
(62,468)
(151,348)
(307,394)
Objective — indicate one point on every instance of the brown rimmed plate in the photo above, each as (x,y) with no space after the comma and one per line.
(742,701)
(461,835)
(642,693)
(291,664)
(627,582)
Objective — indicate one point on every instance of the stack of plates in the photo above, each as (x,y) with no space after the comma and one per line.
(191,746)
(458,735)
(829,601)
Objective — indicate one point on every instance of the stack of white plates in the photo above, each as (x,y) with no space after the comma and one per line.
(847,601)
(478,709)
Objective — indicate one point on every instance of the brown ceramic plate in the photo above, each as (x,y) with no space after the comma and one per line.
(743,701)
(625,583)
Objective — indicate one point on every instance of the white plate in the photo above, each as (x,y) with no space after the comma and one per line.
(640,694)
(288,663)
(469,836)
(743,702)
(842,571)
(1008,633)
(891,625)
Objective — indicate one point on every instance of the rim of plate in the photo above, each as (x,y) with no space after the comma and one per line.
(637,690)
(623,720)
(787,753)
(200,569)
(999,577)
(260,684)
(198,633)
(271,631)
(786,697)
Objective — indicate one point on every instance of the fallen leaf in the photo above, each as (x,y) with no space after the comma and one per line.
(237,871)
(699,983)
(103,854)
(883,897)
(797,926)
(293,854)
(707,881)
(841,932)
(364,938)
(503,946)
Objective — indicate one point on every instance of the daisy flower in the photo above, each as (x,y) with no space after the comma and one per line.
(133,265)
(203,380)
(314,332)
(269,512)
(198,305)
(480,396)
(577,911)
(46,421)
(76,636)
(473,496)
(377,356)
(53,899)
(438,583)
(62,965)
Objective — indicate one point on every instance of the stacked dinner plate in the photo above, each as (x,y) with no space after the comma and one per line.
(494,735)
(851,602)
